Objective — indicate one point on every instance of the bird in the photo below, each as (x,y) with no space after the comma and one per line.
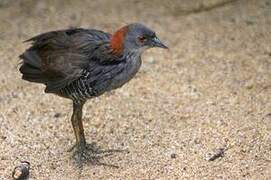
(80,64)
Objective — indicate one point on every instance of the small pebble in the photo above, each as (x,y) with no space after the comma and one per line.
(57,115)
(216,154)
(151,60)
(173,155)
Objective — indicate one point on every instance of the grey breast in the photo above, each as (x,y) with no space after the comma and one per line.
(132,65)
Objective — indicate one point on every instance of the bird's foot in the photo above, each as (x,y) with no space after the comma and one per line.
(92,154)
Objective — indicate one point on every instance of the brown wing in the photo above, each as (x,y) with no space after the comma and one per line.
(57,58)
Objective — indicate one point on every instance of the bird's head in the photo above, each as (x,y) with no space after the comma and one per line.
(134,37)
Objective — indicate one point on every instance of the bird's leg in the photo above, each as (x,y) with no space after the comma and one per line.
(86,152)
(77,125)
(83,149)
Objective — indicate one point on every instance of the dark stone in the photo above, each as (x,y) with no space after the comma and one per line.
(57,115)
(173,156)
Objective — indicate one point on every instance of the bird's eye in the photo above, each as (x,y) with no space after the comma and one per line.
(142,39)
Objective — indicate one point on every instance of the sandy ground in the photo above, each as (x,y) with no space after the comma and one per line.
(211,90)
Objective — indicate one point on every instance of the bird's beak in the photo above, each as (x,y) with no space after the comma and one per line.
(157,43)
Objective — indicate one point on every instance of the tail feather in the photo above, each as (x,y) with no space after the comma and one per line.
(28,69)
(32,58)
(31,67)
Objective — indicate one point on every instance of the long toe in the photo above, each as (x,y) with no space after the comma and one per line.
(92,154)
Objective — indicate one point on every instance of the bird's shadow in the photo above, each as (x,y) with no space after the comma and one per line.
(93,155)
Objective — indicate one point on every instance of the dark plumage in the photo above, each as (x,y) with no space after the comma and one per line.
(83,63)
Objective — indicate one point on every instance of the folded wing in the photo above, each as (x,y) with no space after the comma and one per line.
(58,58)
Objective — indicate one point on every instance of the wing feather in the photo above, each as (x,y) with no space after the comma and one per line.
(61,56)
